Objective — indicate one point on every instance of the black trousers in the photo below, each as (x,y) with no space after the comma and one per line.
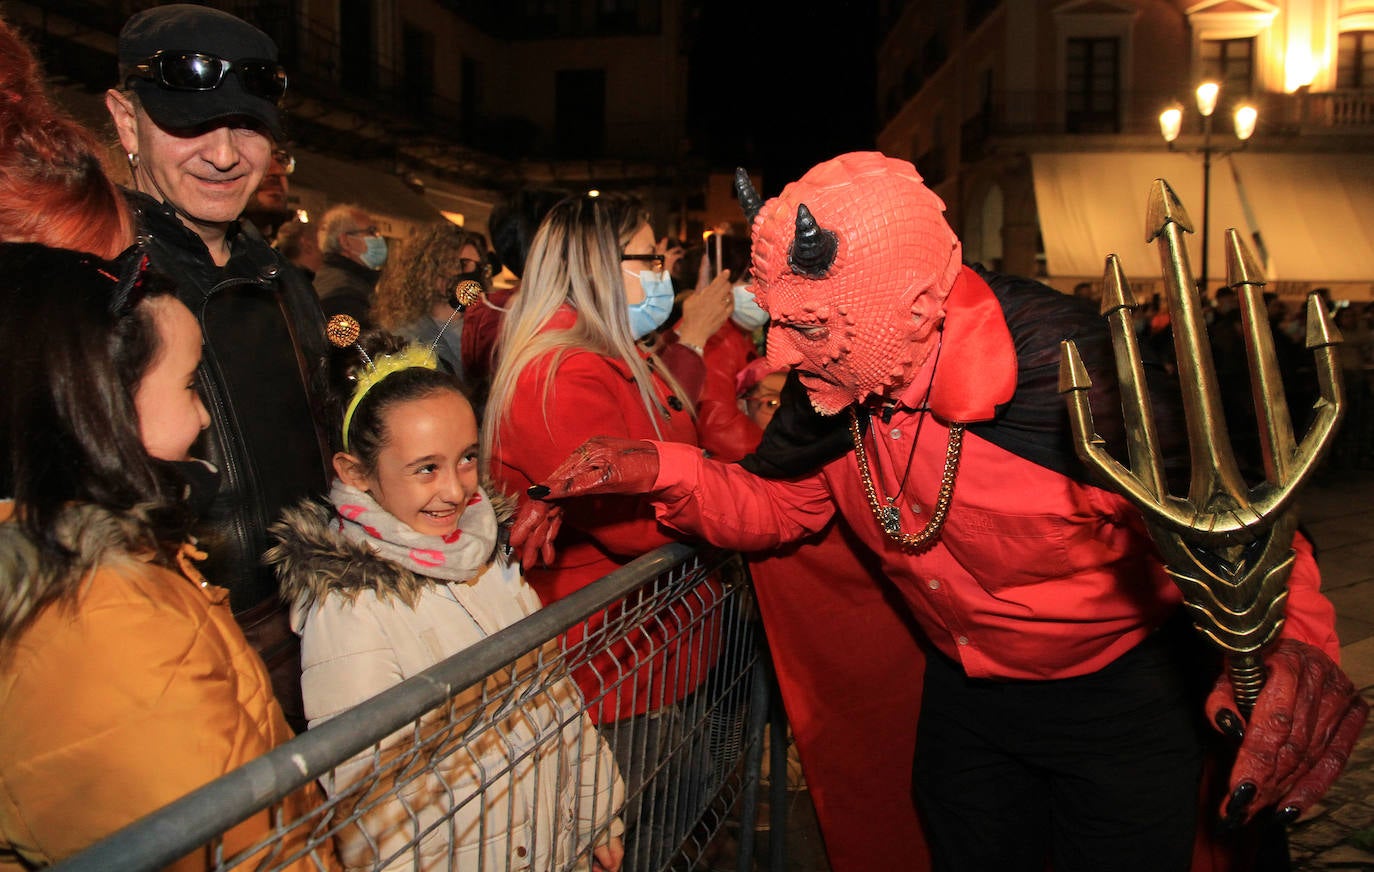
(1097,773)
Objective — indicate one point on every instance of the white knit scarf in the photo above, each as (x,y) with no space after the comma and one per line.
(459,556)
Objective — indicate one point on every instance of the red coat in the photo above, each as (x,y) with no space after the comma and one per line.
(592,395)
(726,432)
(845,652)
(481,329)
(850,671)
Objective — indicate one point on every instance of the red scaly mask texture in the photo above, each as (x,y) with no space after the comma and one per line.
(863,329)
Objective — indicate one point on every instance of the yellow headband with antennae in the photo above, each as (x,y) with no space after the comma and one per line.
(344,331)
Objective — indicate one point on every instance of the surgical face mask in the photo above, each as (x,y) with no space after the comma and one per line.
(649,314)
(374,256)
(747,313)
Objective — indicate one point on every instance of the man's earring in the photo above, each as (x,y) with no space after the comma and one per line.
(133,161)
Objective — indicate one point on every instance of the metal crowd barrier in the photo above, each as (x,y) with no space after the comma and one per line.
(435,772)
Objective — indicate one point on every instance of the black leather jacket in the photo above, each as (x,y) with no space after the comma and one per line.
(264,343)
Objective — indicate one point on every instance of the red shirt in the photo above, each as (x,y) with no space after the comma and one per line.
(1034,576)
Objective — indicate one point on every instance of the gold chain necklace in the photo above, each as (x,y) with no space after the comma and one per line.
(889,516)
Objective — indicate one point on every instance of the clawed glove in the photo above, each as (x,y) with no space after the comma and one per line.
(532,534)
(1299,736)
(601,465)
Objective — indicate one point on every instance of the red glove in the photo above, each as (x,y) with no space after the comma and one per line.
(601,465)
(536,526)
(1299,736)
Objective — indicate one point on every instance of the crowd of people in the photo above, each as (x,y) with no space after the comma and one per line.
(247,483)
(1288,327)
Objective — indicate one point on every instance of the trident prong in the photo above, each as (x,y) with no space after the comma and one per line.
(1227,546)
(1243,274)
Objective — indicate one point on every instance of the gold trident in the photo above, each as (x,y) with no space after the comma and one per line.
(1227,546)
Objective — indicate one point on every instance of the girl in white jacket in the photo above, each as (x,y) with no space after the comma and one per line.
(398,570)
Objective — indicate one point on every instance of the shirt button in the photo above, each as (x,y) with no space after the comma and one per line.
(896,433)
(962,640)
(933,584)
(520,851)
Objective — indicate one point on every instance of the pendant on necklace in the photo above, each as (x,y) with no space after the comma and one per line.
(890,517)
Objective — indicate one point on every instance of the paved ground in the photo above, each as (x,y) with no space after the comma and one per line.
(1338,511)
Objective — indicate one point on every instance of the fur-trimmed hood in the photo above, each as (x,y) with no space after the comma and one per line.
(93,534)
(313,558)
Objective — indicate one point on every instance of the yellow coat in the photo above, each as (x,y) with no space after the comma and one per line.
(124,700)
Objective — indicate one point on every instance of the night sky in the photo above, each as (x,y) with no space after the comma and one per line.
(778,88)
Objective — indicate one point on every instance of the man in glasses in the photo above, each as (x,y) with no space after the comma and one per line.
(196,111)
(353,252)
(269,208)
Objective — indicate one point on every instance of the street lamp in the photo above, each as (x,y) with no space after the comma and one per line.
(1171,124)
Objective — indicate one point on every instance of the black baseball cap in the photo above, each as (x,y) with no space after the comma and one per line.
(182,27)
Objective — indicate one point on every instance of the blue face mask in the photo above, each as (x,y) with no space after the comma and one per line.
(747,313)
(649,314)
(374,257)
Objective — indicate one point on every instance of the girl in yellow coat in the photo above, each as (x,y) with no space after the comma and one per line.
(124,681)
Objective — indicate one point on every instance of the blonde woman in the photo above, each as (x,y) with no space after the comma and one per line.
(412,297)
(568,368)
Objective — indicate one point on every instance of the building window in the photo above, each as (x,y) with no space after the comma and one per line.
(417,74)
(975,11)
(617,16)
(1355,59)
(1231,63)
(536,17)
(934,53)
(934,164)
(469,94)
(580,112)
(1092,84)
(357,61)
(912,79)
(893,104)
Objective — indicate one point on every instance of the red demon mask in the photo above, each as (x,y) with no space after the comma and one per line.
(853,263)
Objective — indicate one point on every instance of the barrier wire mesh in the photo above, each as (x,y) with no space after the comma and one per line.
(494,760)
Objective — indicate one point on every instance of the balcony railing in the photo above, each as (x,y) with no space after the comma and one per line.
(1338,109)
(1043,113)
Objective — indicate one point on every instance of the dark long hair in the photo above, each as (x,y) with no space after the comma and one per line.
(69,432)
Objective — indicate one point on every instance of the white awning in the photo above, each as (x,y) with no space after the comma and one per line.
(321,181)
(1314,212)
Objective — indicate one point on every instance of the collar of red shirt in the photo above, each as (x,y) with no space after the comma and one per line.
(977,361)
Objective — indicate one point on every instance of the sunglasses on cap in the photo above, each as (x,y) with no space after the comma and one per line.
(197,71)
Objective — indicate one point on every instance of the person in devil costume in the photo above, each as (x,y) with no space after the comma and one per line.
(1061,715)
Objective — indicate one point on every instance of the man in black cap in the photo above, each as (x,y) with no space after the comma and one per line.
(196,112)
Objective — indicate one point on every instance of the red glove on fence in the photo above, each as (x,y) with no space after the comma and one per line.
(601,465)
(1299,736)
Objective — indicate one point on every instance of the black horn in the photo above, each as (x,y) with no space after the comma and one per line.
(813,249)
(749,199)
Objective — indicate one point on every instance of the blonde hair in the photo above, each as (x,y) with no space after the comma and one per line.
(575,259)
(418,274)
